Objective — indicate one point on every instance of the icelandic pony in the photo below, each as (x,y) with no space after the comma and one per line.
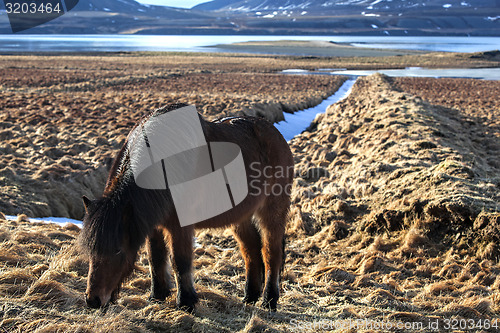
(116,225)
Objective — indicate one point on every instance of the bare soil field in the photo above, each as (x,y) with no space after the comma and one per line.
(395,215)
(474,98)
(62,123)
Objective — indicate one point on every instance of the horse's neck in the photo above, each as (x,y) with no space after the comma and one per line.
(152,207)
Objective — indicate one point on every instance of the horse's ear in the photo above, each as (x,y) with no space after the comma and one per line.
(86,203)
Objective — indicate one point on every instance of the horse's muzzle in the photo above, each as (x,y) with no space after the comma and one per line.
(94,302)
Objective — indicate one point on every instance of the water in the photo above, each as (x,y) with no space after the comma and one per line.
(469,73)
(445,44)
(117,43)
(296,123)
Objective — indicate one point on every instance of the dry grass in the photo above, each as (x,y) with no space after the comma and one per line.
(394,216)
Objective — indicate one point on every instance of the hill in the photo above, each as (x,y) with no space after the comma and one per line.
(363,17)
(116,17)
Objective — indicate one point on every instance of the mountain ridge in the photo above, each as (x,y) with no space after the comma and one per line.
(252,5)
(279,17)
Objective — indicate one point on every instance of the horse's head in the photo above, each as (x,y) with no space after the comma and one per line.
(105,237)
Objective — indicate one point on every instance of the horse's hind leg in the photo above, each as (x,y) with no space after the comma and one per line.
(181,245)
(272,226)
(250,243)
(159,264)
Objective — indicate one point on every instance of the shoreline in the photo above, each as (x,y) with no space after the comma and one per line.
(313,48)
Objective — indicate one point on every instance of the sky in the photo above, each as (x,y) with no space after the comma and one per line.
(173,3)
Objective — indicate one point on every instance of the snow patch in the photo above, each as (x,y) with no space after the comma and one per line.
(62,221)
(294,71)
(447,5)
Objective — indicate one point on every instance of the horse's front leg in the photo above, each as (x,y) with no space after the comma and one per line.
(159,264)
(273,222)
(250,243)
(182,251)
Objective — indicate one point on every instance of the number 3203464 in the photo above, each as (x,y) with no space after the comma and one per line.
(32,8)
(454,324)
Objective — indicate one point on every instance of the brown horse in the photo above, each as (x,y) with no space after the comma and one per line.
(127,216)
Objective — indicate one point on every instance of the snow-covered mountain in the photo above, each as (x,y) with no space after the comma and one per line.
(259,5)
(389,17)
(130,7)
(117,16)
(111,6)
(280,17)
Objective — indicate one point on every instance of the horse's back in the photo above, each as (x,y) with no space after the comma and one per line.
(268,163)
(251,131)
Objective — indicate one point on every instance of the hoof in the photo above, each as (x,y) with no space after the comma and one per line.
(187,302)
(159,297)
(250,299)
(270,305)
(270,300)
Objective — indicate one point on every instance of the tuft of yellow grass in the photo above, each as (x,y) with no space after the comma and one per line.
(53,293)
(15,282)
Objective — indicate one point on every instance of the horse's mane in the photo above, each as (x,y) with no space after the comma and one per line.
(125,209)
(120,170)
(102,232)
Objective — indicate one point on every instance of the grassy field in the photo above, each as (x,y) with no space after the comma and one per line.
(395,215)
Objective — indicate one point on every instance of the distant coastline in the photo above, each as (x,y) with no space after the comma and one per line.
(312,48)
(286,45)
